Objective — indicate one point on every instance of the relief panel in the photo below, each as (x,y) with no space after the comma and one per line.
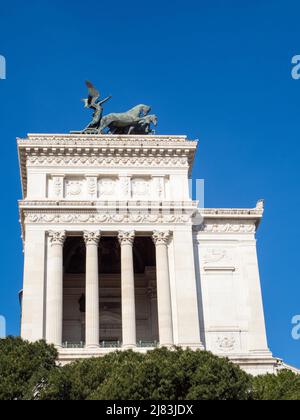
(74,188)
(108,188)
(141,188)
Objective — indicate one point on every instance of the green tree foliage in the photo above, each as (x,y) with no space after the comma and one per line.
(283,386)
(30,371)
(158,375)
(21,364)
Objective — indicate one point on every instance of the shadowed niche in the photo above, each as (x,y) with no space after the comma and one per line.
(109,255)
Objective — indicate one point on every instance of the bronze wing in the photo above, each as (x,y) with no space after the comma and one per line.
(94,94)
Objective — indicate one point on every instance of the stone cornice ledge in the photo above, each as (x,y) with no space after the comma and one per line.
(161,149)
(106,205)
(106,139)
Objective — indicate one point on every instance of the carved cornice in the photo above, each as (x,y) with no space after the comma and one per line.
(231,226)
(107,204)
(126,238)
(91,238)
(161,238)
(103,140)
(257,211)
(104,150)
(57,238)
(108,162)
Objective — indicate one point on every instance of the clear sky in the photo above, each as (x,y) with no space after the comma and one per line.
(215,70)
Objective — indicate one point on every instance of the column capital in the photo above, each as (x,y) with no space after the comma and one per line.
(161,237)
(91,238)
(126,238)
(57,238)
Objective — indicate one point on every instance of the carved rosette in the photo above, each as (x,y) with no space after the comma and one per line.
(92,238)
(161,238)
(126,238)
(57,238)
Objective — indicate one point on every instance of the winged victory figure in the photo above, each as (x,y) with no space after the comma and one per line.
(93,102)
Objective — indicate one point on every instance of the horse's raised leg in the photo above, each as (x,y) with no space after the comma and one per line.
(130,130)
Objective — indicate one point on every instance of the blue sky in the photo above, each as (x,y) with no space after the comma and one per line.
(215,70)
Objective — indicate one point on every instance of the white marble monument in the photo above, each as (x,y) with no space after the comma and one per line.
(118,255)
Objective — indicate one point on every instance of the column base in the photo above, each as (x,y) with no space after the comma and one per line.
(92,346)
(58,346)
(166,345)
(129,346)
(191,346)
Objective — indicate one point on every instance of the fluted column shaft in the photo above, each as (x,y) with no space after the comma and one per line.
(54,305)
(126,240)
(165,322)
(92,324)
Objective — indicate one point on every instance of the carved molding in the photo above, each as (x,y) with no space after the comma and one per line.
(102,140)
(57,238)
(126,238)
(58,186)
(230,227)
(107,162)
(92,186)
(91,238)
(226,343)
(104,218)
(161,238)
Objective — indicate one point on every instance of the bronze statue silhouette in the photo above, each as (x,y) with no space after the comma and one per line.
(134,121)
(93,102)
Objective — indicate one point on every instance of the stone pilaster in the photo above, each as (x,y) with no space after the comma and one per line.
(92,326)
(126,240)
(165,322)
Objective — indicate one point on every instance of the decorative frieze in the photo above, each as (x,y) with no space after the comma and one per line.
(106,187)
(110,162)
(104,218)
(230,227)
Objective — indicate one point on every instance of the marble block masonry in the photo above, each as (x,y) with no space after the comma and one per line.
(118,255)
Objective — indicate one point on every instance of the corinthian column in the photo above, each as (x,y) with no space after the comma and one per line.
(126,240)
(92,326)
(54,308)
(165,323)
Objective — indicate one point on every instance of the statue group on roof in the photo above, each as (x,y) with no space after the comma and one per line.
(137,120)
